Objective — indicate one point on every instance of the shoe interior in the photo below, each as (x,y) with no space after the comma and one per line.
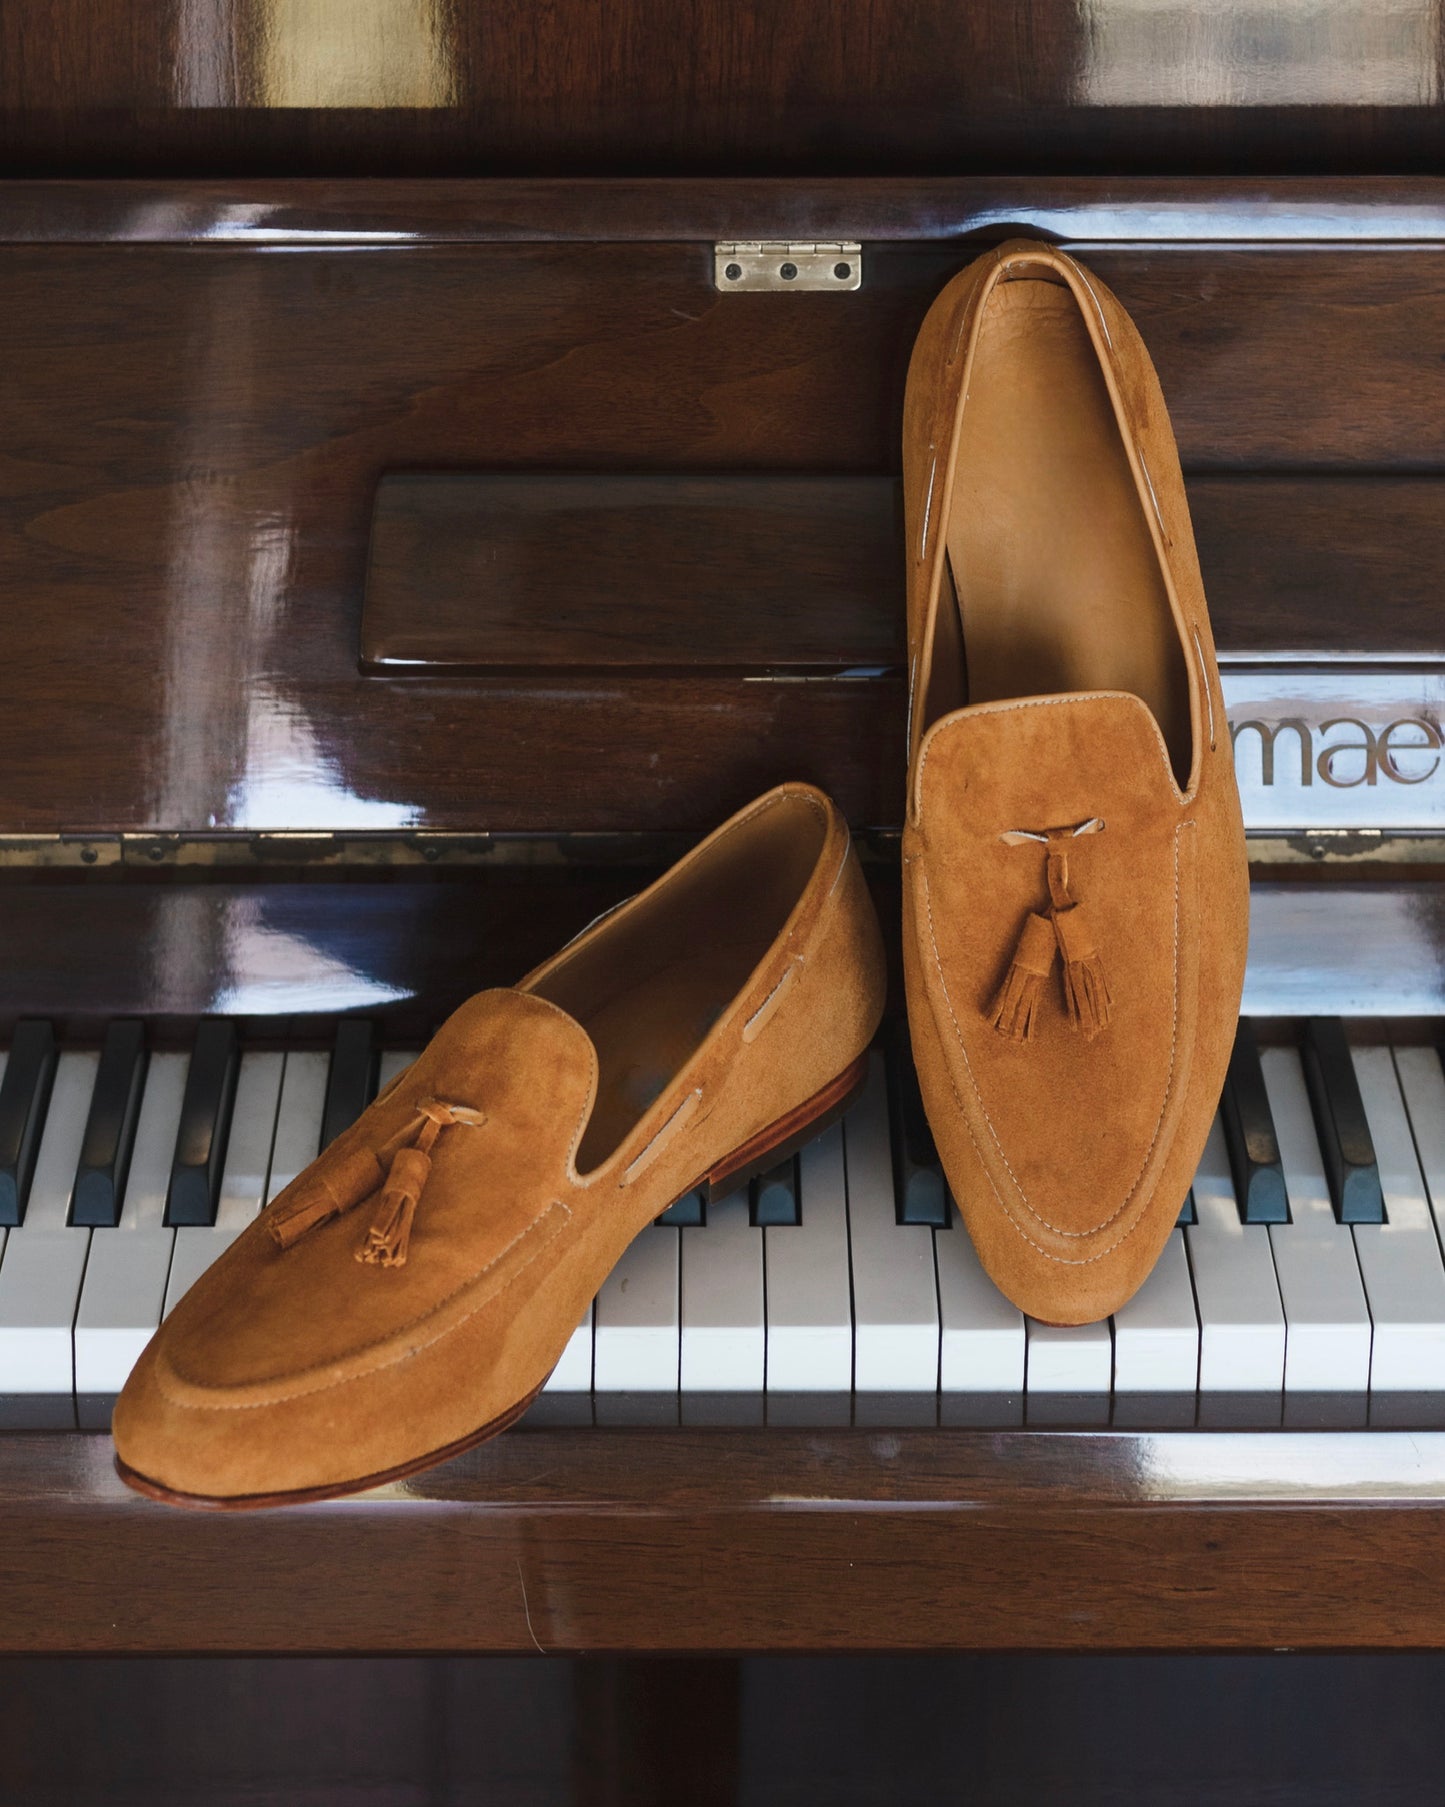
(649,986)
(1053,569)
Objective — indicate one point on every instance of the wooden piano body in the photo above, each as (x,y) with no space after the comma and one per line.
(211,804)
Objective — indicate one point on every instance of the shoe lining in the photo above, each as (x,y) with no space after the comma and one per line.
(651,984)
(1050,556)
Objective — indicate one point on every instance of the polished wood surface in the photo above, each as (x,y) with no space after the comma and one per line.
(194,433)
(771,573)
(112,86)
(760,572)
(735,1540)
(391,211)
(288,954)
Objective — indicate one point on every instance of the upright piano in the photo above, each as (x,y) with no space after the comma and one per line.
(398,565)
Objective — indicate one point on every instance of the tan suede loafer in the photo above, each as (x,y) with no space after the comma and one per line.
(409,1293)
(1075,887)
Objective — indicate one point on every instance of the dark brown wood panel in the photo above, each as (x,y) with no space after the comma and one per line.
(750,1540)
(193,435)
(761,572)
(1093,211)
(87,948)
(770,571)
(111,86)
(403,953)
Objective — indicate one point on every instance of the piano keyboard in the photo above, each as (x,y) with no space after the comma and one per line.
(1303,1286)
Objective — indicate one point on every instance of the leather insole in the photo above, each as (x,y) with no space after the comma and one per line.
(1057,577)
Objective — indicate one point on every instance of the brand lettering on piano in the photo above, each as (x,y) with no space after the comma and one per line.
(1343,752)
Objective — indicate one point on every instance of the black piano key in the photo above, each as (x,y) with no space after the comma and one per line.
(690,1211)
(1345,1139)
(773,1197)
(351,1083)
(1187,1213)
(1249,1133)
(205,1124)
(24,1095)
(95,1199)
(920,1195)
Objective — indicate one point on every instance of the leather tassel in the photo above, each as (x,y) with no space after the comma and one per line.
(1017,1001)
(1086,989)
(318,1196)
(339,1184)
(389,1237)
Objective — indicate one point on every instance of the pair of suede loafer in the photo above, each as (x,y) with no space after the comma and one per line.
(1075,919)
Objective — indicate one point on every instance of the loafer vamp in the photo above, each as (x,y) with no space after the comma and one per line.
(1070,1127)
(269,1322)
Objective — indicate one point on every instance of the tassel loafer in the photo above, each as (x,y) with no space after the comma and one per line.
(408,1294)
(1075,884)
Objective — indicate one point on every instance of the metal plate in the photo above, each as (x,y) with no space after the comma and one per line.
(1343,747)
(775,266)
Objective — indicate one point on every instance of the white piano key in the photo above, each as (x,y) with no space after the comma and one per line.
(253,1133)
(1422,1084)
(1399,1259)
(573,1373)
(44,1260)
(243,1178)
(1241,1320)
(636,1339)
(983,1344)
(1327,1322)
(298,1119)
(895,1286)
(723,1347)
(123,1297)
(1156,1334)
(1069,1358)
(809,1293)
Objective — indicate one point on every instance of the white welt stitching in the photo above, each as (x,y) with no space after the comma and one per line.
(1113,1217)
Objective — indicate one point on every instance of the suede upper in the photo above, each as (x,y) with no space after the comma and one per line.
(1045,826)
(301,1362)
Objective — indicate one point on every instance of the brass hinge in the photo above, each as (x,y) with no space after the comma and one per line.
(778,265)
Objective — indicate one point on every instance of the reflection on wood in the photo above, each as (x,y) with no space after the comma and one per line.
(408,952)
(760,1539)
(762,86)
(194,439)
(1261,53)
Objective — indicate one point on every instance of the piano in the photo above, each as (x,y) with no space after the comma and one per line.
(275,796)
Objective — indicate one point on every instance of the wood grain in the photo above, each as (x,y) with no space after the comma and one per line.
(768,573)
(734,1540)
(194,434)
(756,572)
